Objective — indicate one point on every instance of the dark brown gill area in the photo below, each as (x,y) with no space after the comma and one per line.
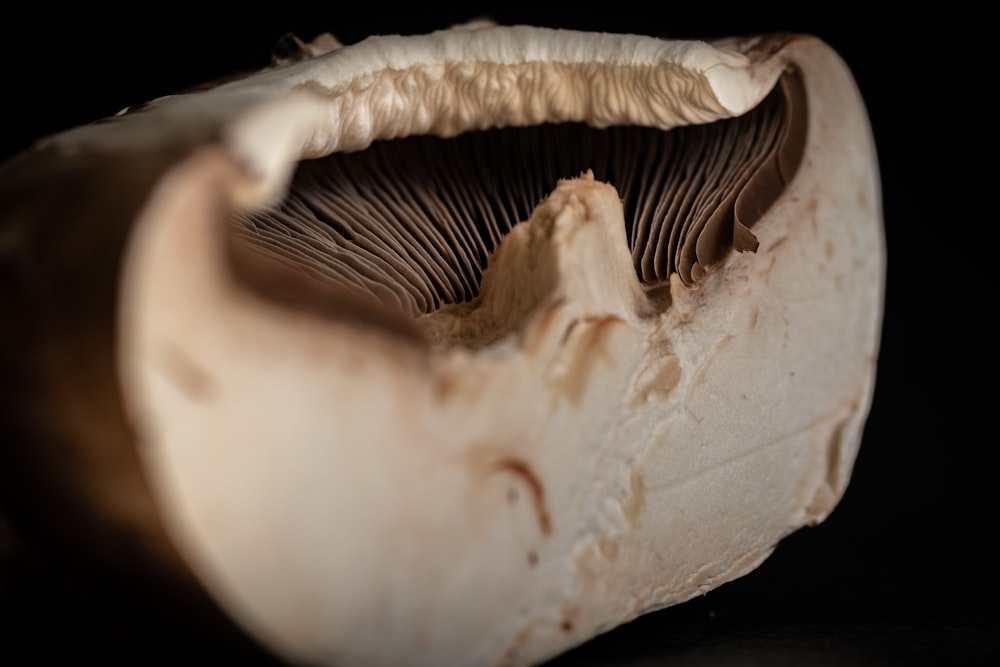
(411,223)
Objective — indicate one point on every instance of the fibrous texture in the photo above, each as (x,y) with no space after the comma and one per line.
(464,348)
(413,221)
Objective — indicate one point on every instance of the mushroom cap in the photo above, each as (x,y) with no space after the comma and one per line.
(358,474)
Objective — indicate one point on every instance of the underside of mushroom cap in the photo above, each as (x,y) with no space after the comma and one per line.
(454,81)
(464,348)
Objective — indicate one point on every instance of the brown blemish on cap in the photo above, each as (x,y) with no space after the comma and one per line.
(189,376)
(658,378)
(635,502)
(608,548)
(569,615)
(541,326)
(590,345)
(699,377)
(522,470)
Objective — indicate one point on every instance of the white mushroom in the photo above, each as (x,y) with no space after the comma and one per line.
(466,347)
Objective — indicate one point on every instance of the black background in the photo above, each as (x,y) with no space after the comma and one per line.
(903,572)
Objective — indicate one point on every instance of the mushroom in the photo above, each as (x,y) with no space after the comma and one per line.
(458,348)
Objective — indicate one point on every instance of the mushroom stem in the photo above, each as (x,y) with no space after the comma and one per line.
(572,250)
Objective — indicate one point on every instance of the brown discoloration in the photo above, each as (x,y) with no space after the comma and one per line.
(510,654)
(698,379)
(811,213)
(190,376)
(522,470)
(569,615)
(589,346)
(635,502)
(828,493)
(608,548)
(834,453)
(447,385)
(778,242)
(657,380)
(541,327)
(590,562)
(570,328)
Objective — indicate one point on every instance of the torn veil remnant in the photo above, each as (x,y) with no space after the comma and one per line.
(458,348)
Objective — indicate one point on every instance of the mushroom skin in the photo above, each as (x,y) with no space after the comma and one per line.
(492,482)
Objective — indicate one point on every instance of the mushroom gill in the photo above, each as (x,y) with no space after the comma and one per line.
(411,223)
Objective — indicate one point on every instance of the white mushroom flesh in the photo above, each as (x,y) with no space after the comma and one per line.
(604,422)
